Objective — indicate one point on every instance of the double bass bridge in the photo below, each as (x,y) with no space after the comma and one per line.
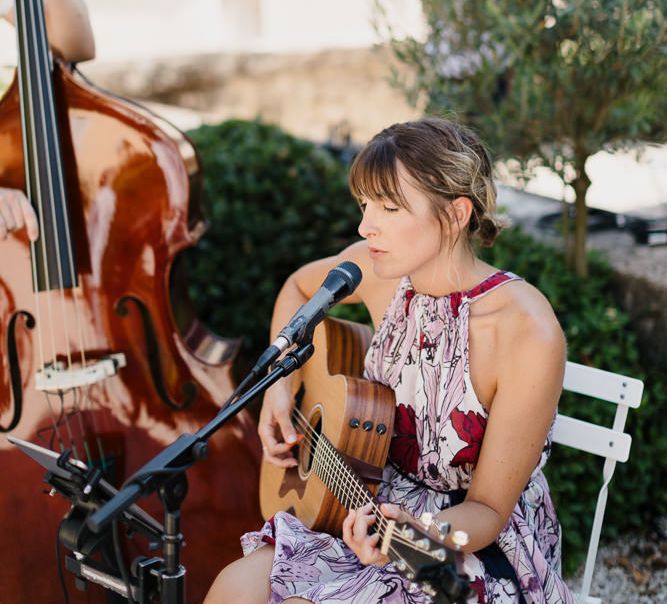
(58,376)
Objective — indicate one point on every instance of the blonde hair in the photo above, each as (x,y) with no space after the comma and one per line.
(445,160)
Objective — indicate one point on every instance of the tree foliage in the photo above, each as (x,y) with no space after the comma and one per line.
(547,82)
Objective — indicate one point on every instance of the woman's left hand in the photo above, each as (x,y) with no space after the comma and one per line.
(356,537)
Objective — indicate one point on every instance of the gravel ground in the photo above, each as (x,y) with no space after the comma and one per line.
(631,570)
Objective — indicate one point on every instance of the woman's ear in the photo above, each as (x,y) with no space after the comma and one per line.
(461,211)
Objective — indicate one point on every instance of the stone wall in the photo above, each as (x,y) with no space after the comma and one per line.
(646,303)
(310,95)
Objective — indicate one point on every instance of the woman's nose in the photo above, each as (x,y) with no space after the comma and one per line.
(367,227)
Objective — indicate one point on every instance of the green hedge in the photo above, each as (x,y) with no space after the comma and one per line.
(275,202)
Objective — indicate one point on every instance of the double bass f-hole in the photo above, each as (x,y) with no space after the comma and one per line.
(189,389)
(15,368)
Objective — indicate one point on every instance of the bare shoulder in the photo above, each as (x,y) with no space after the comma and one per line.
(523,317)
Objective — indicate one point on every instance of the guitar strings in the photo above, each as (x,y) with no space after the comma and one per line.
(313,439)
(357,493)
(330,452)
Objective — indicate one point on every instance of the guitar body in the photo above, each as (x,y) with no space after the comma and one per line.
(334,398)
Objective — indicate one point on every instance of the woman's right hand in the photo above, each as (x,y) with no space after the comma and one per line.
(15,213)
(275,427)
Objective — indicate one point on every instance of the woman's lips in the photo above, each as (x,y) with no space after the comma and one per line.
(375,252)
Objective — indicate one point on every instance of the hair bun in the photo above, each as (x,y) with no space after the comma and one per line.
(490,227)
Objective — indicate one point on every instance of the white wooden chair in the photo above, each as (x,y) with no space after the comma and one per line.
(611,443)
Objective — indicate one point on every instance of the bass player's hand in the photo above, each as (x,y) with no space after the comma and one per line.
(275,428)
(15,213)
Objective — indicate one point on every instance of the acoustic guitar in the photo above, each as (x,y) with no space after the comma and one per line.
(346,426)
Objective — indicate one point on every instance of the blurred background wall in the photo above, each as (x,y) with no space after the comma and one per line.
(317,68)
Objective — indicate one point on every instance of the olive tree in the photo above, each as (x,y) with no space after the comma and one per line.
(546,82)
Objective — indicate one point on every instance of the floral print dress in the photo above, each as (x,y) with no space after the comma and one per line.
(420,350)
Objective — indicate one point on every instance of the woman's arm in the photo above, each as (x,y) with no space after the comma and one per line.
(68,28)
(275,428)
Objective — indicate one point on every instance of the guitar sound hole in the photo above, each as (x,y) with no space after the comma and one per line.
(308,444)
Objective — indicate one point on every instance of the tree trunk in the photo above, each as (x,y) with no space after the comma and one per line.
(581,183)
(566,228)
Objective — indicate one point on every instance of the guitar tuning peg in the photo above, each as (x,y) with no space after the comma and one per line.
(440,554)
(426,519)
(423,544)
(410,576)
(460,539)
(408,533)
(413,587)
(443,529)
(401,565)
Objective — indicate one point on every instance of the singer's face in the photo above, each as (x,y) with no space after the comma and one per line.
(403,241)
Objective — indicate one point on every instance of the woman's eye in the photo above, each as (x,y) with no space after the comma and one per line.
(390,208)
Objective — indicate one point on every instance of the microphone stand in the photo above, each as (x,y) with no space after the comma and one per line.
(165,473)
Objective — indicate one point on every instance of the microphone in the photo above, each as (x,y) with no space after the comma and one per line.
(339,283)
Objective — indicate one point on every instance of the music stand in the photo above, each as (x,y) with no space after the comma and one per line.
(87,491)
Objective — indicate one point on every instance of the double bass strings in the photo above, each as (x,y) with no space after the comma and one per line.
(38,99)
(49,180)
(35,102)
(27,100)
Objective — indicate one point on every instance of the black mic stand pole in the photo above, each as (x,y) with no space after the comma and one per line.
(166,474)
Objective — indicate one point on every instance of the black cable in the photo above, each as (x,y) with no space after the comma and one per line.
(238,391)
(119,560)
(61,575)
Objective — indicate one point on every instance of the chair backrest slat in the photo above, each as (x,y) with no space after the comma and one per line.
(603,385)
(592,438)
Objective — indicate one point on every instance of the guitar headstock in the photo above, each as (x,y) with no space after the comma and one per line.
(425,560)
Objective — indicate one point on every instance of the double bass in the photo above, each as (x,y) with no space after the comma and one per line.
(100,351)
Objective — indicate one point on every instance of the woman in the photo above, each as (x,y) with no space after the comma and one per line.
(71,39)
(475,357)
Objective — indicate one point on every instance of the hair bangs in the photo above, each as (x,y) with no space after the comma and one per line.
(373,174)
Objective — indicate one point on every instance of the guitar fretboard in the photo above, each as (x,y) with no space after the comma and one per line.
(339,478)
